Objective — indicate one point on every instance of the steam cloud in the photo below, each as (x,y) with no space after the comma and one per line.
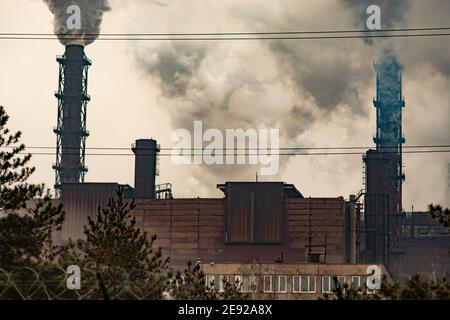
(265,84)
(91,19)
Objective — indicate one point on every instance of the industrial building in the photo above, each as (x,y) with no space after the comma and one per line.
(425,245)
(257,228)
(254,222)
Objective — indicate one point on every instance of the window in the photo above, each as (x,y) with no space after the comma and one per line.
(364,285)
(296,284)
(356,282)
(210,280)
(216,282)
(441,232)
(238,281)
(249,283)
(268,284)
(406,231)
(316,254)
(423,232)
(312,284)
(304,284)
(341,280)
(275,283)
(223,280)
(326,284)
(314,258)
(280,283)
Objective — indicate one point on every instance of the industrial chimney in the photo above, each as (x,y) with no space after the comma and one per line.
(71,128)
(384,172)
(145,171)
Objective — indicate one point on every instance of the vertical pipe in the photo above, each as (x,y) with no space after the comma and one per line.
(352,226)
(146,152)
(72,104)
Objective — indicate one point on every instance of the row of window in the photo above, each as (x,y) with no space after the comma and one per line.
(247,283)
(278,283)
(424,231)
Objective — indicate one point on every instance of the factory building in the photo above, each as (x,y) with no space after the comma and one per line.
(425,244)
(269,230)
(254,222)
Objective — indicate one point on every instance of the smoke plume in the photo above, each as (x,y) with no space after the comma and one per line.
(392,13)
(288,85)
(319,93)
(91,12)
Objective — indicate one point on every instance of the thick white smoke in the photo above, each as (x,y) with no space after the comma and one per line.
(317,92)
(91,12)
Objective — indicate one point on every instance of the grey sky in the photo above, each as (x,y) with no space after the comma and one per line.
(319,93)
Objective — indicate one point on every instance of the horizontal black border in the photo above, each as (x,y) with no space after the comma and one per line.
(170,309)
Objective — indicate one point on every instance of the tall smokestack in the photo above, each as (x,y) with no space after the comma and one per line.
(145,171)
(71,129)
(72,90)
(384,174)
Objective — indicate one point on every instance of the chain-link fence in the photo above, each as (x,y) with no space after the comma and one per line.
(26,283)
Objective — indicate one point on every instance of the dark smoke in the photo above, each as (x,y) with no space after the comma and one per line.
(91,19)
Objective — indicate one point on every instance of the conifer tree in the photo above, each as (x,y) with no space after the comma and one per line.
(27,215)
(119,260)
(28,219)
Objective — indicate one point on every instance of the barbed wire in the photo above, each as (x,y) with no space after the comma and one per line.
(26,283)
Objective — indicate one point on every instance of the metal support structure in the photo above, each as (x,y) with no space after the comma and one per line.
(71,130)
(164,191)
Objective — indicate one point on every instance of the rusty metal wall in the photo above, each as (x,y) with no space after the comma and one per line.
(80,201)
(254,212)
(189,229)
(239,218)
(425,242)
(269,205)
